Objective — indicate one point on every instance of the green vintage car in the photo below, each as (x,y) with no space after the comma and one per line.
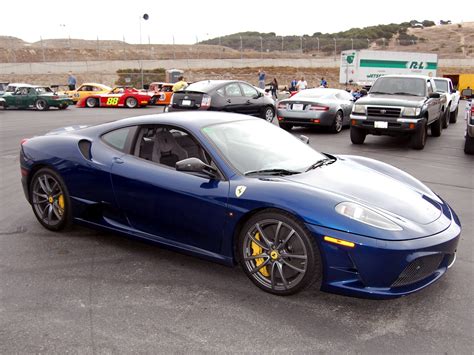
(39,97)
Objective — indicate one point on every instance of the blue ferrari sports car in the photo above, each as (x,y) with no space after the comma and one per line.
(239,190)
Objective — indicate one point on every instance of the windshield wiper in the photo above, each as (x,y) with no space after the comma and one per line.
(405,93)
(322,162)
(272,172)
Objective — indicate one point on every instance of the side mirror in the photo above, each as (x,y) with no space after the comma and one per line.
(363,92)
(195,165)
(434,95)
(304,139)
(146,87)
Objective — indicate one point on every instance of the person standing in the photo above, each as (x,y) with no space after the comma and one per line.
(71,81)
(180,85)
(302,84)
(274,88)
(293,84)
(324,83)
(261,79)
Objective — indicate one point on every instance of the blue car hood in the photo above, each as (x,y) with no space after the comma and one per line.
(387,190)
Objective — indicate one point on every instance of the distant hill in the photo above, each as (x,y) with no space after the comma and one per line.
(448,41)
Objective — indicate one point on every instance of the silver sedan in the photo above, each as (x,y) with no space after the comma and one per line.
(316,107)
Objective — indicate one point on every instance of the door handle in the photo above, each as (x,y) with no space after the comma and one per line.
(117,160)
(228,101)
(248,101)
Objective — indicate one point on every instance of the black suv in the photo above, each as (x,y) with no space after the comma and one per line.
(396,105)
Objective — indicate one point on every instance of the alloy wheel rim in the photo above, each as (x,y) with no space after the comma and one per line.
(269,115)
(338,122)
(40,104)
(275,255)
(131,102)
(48,200)
(90,102)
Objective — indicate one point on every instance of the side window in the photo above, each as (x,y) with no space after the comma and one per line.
(220,92)
(167,145)
(120,138)
(248,91)
(429,86)
(232,90)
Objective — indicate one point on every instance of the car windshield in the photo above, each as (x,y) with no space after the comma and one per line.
(256,145)
(315,94)
(43,90)
(441,85)
(399,86)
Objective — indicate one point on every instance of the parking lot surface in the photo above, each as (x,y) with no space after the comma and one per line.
(85,291)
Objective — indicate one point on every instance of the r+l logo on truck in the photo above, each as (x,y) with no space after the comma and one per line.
(418,65)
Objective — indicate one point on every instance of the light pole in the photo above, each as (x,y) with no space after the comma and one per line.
(261,47)
(352,43)
(282,43)
(368,43)
(335,48)
(240,47)
(301,44)
(317,39)
(145,17)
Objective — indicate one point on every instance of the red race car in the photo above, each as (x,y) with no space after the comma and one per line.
(119,96)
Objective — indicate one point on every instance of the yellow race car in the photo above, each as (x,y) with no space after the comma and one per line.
(87,89)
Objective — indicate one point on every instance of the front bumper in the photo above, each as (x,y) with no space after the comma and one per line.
(395,125)
(383,269)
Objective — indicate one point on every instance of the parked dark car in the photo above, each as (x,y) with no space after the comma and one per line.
(398,105)
(469,135)
(39,97)
(316,107)
(224,95)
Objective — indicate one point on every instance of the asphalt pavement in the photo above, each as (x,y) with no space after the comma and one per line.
(92,292)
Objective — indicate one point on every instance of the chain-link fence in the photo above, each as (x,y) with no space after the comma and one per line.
(13,50)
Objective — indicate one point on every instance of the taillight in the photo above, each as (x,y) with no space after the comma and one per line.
(318,108)
(282,106)
(24,140)
(55,97)
(206,101)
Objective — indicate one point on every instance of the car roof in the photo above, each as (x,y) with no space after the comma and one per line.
(407,76)
(212,84)
(96,84)
(191,120)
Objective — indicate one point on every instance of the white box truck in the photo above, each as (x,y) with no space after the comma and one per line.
(362,67)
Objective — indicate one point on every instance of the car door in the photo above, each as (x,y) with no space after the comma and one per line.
(21,97)
(167,204)
(434,106)
(253,104)
(234,101)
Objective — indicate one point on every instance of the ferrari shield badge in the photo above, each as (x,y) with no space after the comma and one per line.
(239,190)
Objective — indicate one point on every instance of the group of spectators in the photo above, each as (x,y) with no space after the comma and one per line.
(295,85)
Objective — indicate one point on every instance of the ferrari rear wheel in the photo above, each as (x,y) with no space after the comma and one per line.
(41,105)
(286,126)
(278,253)
(131,102)
(50,200)
(91,102)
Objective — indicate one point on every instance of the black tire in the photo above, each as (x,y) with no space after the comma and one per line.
(446,117)
(268,113)
(63,106)
(337,124)
(286,126)
(436,127)
(50,200)
(358,135)
(418,139)
(469,145)
(453,117)
(153,100)
(41,105)
(131,102)
(91,102)
(290,255)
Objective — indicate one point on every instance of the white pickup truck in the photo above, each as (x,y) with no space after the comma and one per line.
(445,85)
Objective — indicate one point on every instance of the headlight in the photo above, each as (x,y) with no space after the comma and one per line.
(359,109)
(367,216)
(411,111)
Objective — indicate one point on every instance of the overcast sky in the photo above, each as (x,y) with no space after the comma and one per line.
(188,20)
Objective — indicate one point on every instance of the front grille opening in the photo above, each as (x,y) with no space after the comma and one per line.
(384,111)
(418,270)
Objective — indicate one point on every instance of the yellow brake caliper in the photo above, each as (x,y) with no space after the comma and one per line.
(257,250)
(61,204)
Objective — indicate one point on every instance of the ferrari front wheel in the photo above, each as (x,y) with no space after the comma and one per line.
(278,253)
(50,199)
(91,102)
